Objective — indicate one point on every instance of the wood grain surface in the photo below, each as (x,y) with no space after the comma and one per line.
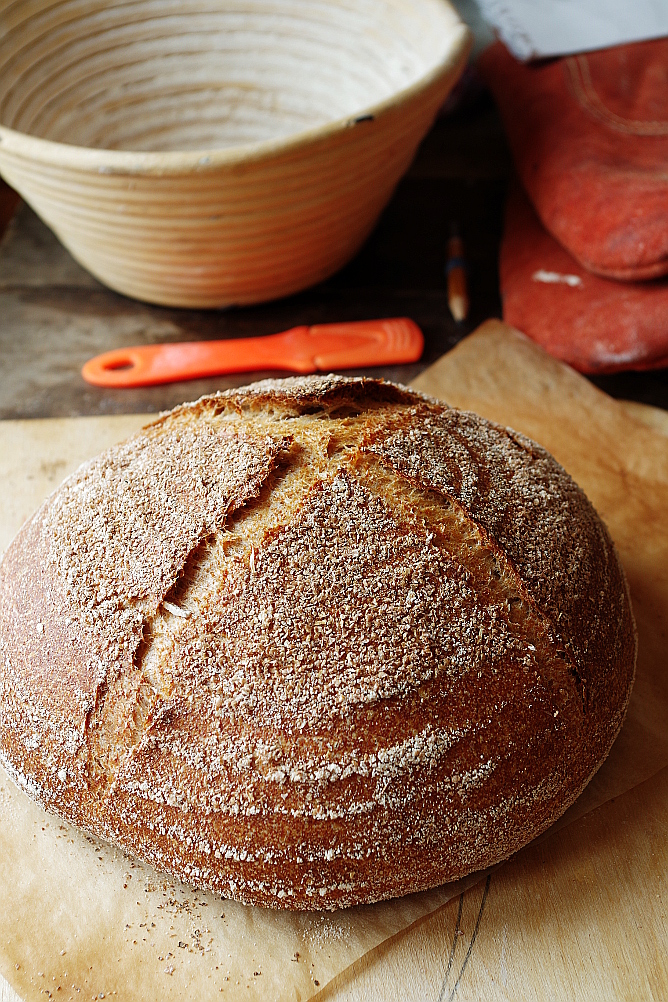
(581,914)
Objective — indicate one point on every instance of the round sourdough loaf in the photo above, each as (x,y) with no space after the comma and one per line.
(314,642)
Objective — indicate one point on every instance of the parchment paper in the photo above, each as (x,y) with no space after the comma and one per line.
(80,920)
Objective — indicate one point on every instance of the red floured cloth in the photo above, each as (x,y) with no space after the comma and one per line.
(589,135)
(595,324)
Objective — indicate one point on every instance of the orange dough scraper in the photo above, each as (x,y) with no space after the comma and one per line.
(322,347)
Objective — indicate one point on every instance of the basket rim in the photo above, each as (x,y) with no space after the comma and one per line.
(51,153)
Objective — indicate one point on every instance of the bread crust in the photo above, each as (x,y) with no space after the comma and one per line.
(313,643)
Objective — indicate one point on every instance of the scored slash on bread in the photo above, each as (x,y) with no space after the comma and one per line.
(314,642)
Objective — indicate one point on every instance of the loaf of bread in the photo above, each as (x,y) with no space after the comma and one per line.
(314,642)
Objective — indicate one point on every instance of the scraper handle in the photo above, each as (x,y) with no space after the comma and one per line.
(322,347)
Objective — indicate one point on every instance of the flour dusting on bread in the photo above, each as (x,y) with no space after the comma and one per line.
(314,642)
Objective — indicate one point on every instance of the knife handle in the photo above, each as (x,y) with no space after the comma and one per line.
(301,349)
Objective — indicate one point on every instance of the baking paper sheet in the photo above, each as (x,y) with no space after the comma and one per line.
(80,920)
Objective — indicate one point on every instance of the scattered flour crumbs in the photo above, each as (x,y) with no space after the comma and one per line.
(165,923)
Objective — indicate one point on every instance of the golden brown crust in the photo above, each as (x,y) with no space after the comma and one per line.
(543,523)
(314,642)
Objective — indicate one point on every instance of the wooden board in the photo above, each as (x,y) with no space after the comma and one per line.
(581,916)
(583,913)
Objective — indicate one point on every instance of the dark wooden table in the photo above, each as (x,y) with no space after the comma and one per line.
(54,316)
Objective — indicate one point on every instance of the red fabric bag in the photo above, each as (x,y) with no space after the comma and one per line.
(589,136)
(595,324)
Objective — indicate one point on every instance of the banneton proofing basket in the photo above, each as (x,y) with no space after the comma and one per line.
(210,152)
